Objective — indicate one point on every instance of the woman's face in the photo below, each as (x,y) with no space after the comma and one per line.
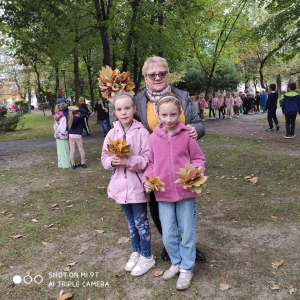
(157,84)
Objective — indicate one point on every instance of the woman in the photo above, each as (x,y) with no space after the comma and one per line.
(155,71)
(60,96)
(248,89)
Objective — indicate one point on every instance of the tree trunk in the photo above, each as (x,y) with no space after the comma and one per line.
(278,81)
(160,23)
(135,66)
(29,97)
(56,78)
(87,60)
(76,68)
(139,80)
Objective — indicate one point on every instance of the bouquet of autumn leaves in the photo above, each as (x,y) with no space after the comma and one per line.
(112,82)
(118,148)
(192,177)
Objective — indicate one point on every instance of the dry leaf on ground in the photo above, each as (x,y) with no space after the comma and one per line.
(292,290)
(66,269)
(275,287)
(216,253)
(100,231)
(158,273)
(44,243)
(248,177)
(54,205)
(17,236)
(273,217)
(273,272)
(253,180)
(34,220)
(275,265)
(224,287)
(123,239)
(72,264)
(48,226)
(119,275)
(64,296)
(10,215)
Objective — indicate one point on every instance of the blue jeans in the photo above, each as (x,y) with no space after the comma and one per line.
(182,214)
(104,126)
(139,229)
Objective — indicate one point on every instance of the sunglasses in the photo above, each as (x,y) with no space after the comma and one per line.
(161,75)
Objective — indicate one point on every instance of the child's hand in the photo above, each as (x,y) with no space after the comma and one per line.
(119,160)
(73,107)
(147,187)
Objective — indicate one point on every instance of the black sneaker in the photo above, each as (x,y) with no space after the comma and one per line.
(292,136)
(73,167)
(277,128)
(270,129)
(287,136)
(82,166)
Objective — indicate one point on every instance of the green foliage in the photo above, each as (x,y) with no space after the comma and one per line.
(23,105)
(297,91)
(10,123)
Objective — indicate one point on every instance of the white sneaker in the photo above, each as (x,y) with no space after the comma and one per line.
(143,266)
(134,257)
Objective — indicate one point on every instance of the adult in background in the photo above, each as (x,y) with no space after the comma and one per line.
(263,100)
(83,105)
(102,115)
(60,96)
(248,89)
(257,102)
(211,110)
(271,107)
(290,108)
(155,71)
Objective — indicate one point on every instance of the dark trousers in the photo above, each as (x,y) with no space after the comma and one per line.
(222,111)
(86,125)
(257,108)
(272,116)
(211,111)
(290,124)
(153,205)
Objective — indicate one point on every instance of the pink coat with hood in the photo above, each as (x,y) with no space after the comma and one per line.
(126,181)
(167,154)
(202,103)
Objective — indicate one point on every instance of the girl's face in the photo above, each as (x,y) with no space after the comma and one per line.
(168,114)
(202,95)
(124,110)
(216,95)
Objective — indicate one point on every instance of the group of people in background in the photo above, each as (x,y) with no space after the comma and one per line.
(231,104)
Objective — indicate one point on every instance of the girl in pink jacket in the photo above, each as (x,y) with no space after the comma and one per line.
(126,181)
(202,106)
(171,148)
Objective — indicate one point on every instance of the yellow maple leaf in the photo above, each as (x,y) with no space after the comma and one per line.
(155,183)
(118,147)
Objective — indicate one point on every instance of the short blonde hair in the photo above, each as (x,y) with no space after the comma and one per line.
(81,100)
(154,61)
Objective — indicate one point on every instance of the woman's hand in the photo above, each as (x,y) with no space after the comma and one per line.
(147,187)
(72,107)
(118,160)
(192,133)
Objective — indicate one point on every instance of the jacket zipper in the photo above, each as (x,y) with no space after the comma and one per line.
(171,167)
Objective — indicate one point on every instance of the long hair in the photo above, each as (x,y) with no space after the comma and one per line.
(70,119)
(59,93)
(58,107)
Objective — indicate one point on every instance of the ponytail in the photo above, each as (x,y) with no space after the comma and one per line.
(70,119)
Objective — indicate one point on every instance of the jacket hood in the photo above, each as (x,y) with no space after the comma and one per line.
(159,130)
(135,125)
(291,94)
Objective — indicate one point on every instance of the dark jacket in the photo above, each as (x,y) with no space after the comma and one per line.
(84,106)
(101,113)
(291,104)
(191,116)
(77,125)
(272,100)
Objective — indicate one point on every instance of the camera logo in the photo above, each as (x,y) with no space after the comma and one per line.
(38,279)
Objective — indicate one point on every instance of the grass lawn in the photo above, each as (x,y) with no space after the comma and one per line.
(280,120)
(242,228)
(34,126)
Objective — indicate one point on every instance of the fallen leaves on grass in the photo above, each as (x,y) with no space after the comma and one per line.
(224,287)
(216,253)
(34,220)
(64,296)
(119,275)
(192,177)
(44,243)
(72,264)
(158,273)
(273,217)
(118,148)
(48,226)
(273,273)
(100,231)
(292,290)
(123,240)
(47,185)
(155,183)
(66,269)
(54,205)
(17,236)
(275,287)
(276,265)
(252,179)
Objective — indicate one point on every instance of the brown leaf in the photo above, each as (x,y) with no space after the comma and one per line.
(217,254)
(273,272)
(275,287)
(276,265)
(158,273)
(119,275)
(253,180)
(72,264)
(64,296)
(34,220)
(44,243)
(248,177)
(273,217)
(66,269)
(81,252)
(224,274)
(224,287)
(54,205)
(48,226)
(17,236)
(155,183)
(123,240)
(10,215)
(28,272)
(100,231)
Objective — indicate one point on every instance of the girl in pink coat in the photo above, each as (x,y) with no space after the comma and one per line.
(202,106)
(126,181)
(171,148)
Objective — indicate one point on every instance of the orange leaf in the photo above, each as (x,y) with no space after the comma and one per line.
(64,296)
(224,287)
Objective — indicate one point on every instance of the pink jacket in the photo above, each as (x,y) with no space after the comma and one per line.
(126,182)
(221,102)
(169,153)
(202,103)
(214,103)
(238,101)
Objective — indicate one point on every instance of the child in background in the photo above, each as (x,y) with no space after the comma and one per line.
(61,135)
(202,106)
(177,206)
(229,104)
(209,101)
(75,125)
(195,100)
(215,106)
(125,185)
(221,105)
(241,96)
